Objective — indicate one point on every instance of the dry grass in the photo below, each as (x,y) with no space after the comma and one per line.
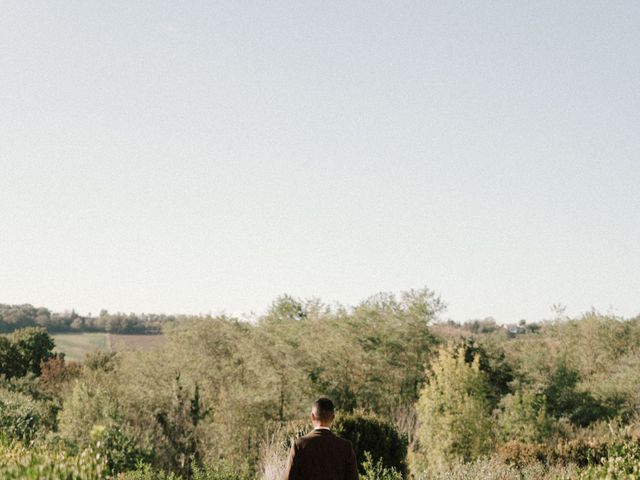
(273,458)
(76,345)
(494,469)
(120,342)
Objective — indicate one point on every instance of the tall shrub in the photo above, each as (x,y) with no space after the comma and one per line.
(376,437)
(454,412)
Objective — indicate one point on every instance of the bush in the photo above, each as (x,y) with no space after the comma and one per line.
(523,417)
(220,471)
(377,471)
(565,400)
(56,374)
(36,463)
(119,450)
(494,469)
(275,448)
(580,452)
(33,346)
(622,461)
(146,472)
(520,454)
(454,412)
(380,439)
(20,416)
(86,406)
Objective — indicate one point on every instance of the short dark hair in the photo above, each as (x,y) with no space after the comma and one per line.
(323,409)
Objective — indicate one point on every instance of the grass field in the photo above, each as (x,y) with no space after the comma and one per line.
(76,345)
(134,342)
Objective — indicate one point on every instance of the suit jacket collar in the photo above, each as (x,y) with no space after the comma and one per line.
(321,431)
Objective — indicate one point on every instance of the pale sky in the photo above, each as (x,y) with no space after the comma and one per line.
(193,157)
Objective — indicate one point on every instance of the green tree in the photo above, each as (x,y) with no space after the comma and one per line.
(523,417)
(10,362)
(20,416)
(454,411)
(564,399)
(493,363)
(277,343)
(33,346)
(87,405)
(179,425)
(373,357)
(402,325)
(286,308)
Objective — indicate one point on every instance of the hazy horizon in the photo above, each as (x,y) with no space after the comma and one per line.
(556,312)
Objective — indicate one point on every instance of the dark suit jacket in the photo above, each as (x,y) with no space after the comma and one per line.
(320,455)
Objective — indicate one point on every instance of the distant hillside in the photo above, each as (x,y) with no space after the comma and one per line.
(13,317)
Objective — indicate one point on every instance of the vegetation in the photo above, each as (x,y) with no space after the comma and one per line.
(374,439)
(76,345)
(454,411)
(13,317)
(222,398)
(33,463)
(24,351)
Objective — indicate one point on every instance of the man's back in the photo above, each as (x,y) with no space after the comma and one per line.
(320,455)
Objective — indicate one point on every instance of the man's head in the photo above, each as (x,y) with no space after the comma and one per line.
(322,412)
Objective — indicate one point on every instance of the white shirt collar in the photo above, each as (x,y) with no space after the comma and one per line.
(322,428)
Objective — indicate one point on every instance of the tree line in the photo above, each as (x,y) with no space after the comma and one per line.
(13,317)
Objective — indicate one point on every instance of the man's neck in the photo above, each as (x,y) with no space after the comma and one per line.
(321,427)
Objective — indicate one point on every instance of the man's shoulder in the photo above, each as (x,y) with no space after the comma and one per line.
(321,436)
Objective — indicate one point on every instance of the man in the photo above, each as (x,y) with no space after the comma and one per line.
(321,455)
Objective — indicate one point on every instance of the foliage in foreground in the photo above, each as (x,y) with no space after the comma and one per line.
(619,461)
(494,469)
(377,471)
(216,472)
(21,417)
(38,462)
